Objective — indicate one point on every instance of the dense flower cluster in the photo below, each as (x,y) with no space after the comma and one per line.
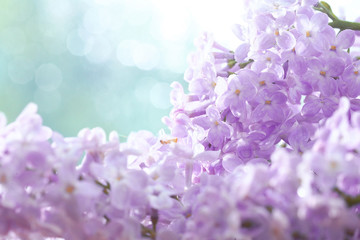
(264,146)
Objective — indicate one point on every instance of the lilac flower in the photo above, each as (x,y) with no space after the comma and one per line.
(276,8)
(351,78)
(275,32)
(314,34)
(269,81)
(241,52)
(94,141)
(194,160)
(269,104)
(240,90)
(205,81)
(344,40)
(300,137)
(159,197)
(208,220)
(296,64)
(279,110)
(270,62)
(126,185)
(218,129)
(230,161)
(323,72)
(313,105)
(329,213)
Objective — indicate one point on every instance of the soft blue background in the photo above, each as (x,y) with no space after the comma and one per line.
(90,63)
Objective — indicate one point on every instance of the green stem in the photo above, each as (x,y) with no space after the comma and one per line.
(342,25)
(106,188)
(325,8)
(231,63)
(154,219)
(244,64)
(350,200)
(147,232)
(336,23)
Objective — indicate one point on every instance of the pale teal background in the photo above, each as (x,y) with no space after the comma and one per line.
(90,63)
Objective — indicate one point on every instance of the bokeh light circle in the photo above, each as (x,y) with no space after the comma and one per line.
(48,77)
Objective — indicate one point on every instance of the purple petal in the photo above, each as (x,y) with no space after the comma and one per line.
(320,43)
(247,78)
(302,46)
(323,40)
(327,86)
(336,66)
(264,41)
(311,108)
(239,31)
(231,161)
(241,52)
(355,105)
(203,121)
(299,65)
(345,39)
(213,113)
(244,151)
(276,113)
(258,113)
(225,129)
(221,86)
(320,20)
(120,195)
(305,88)
(198,86)
(238,109)
(302,23)
(286,40)
(224,100)
(215,138)
(286,20)
(262,22)
(299,137)
(329,107)
(207,156)
(278,98)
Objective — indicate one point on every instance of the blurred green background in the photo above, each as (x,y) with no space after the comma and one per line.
(90,63)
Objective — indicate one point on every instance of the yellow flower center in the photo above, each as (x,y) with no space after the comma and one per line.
(333,48)
(237,91)
(3,179)
(333,165)
(356,72)
(168,141)
(276,33)
(119,177)
(268,102)
(323,73)
(308,34)
(70,189)
(156,176)
(216,123)
(262,83)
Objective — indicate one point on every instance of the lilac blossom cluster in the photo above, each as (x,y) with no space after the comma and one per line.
(263,146)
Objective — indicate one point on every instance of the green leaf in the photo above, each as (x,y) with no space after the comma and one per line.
(231,63)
